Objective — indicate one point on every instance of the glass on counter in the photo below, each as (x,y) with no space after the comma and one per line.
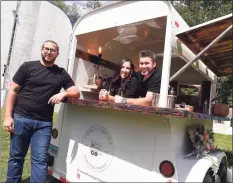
(171,100)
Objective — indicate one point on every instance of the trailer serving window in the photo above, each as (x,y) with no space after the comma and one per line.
(99,53)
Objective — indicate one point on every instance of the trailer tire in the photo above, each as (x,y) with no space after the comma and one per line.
(208,178)
(222,172)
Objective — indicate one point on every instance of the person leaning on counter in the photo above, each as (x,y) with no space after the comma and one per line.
(124,84)
(34,90)
(150,81)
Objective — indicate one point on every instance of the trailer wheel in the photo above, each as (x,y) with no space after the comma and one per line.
(222,172)
(208,179)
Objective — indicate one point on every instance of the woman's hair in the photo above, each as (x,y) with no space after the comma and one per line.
(118,86)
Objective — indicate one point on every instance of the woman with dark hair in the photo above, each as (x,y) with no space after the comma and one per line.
(123,84)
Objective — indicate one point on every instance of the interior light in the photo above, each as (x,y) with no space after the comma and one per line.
(100,49)
(145,33)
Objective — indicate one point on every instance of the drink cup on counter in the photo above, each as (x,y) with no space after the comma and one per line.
(171,101)
(155,101)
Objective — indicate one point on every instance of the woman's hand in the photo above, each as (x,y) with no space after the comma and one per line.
(103,94)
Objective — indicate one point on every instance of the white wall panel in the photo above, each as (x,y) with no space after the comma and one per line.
(7,23)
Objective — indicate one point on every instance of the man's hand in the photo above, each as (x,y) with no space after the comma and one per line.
(118,99)
(56,99)
(8,124)
(103,94)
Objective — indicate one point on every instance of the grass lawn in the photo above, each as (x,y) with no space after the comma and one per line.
(223,142)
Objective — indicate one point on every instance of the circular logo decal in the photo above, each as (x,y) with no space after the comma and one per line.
(98,148)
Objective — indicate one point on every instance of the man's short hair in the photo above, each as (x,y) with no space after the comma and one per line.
(51,41)
(147,53)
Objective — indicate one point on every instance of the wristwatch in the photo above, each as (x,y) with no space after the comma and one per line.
(124,101)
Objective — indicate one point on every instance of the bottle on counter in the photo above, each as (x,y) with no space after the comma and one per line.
(94,75)
(205,107)
(172,91)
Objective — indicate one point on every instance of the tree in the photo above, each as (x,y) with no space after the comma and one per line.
(191,91)
(225,90)
(72,11)
(91,5)
(196,12)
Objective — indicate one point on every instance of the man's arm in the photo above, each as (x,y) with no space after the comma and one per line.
(145,101)
(71,92)
(9,106)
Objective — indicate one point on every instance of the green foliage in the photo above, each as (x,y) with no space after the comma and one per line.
(91,5)
(189,91)
(196,12)
(224,142)
(225,90)
(73,10)
(73,13)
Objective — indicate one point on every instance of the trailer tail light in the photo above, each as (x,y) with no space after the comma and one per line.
(167,169)
(54,133)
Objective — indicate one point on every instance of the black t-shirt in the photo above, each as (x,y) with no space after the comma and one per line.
(131,90)
(39,84)
(151,84)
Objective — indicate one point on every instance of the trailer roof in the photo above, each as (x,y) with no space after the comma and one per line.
(219,57)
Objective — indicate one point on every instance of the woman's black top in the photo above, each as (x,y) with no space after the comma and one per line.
(128,88)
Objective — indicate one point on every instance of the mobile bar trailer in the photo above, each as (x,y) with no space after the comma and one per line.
(97,141)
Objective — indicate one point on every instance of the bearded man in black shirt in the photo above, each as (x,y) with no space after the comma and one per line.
(34,91)
(150,79)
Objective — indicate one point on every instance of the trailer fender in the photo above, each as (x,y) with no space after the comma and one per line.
(202,166)
(199,171)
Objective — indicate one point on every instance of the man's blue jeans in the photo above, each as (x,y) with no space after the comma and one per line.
(38,135)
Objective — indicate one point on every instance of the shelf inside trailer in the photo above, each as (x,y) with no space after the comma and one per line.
(90,88)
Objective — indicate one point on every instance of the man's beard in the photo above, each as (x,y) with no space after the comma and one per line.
(46,61)
(148,72)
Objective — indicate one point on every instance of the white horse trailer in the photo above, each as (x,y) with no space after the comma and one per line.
(100,141)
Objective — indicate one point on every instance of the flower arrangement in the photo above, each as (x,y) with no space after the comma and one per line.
(202,140)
